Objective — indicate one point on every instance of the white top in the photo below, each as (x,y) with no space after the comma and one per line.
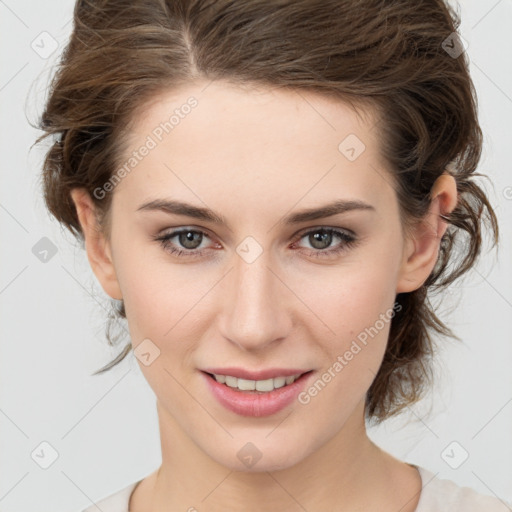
(436,496)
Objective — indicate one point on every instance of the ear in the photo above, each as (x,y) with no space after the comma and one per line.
(97,247)
(421,249)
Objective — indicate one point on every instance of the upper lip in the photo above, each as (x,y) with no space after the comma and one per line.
(268,373)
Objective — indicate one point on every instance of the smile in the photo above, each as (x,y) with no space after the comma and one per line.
(255,385)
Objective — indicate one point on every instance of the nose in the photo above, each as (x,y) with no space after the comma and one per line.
(256,305)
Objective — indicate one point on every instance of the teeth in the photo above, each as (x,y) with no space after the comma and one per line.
(256,385)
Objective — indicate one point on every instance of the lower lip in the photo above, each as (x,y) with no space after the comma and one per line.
(250,403)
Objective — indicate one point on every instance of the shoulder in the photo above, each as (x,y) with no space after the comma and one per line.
(116,502)
(439,495)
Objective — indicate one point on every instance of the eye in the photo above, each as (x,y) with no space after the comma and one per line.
(321,238)
(188,238)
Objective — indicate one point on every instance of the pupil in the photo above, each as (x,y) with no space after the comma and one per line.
(321,237)
(187,239)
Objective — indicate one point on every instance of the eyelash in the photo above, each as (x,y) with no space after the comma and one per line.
(348,239)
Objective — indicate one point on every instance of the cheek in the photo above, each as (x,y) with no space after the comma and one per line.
(161,305)
(356,303)
(360,318)
(354,295)
(169,305)
(156,291)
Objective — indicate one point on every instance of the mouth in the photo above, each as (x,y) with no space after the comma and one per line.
(256,387)
(256,398)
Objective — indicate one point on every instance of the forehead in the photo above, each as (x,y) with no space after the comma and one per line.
(216,139)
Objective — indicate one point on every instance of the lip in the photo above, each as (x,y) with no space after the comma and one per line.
(269,373)
(252,403)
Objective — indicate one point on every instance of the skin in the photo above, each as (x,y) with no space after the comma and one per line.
(255,156)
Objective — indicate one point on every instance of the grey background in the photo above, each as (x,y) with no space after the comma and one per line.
(104,428)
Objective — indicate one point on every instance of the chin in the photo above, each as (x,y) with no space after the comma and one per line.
(258,456)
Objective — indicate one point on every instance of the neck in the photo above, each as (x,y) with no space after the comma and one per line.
(345,473)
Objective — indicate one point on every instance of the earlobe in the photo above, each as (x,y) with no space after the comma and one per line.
(421,250)
(97,247)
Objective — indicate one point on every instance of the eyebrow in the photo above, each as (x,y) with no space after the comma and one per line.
(206,214)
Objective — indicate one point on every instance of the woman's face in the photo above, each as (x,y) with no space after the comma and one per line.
(270,287)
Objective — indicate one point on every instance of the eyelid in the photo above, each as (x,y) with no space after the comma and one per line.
(296,236)
(348,240)
(305,231)
(175,230)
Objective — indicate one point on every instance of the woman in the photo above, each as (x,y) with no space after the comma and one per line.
(270,190)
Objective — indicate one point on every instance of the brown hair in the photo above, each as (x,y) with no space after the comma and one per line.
(391,54)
